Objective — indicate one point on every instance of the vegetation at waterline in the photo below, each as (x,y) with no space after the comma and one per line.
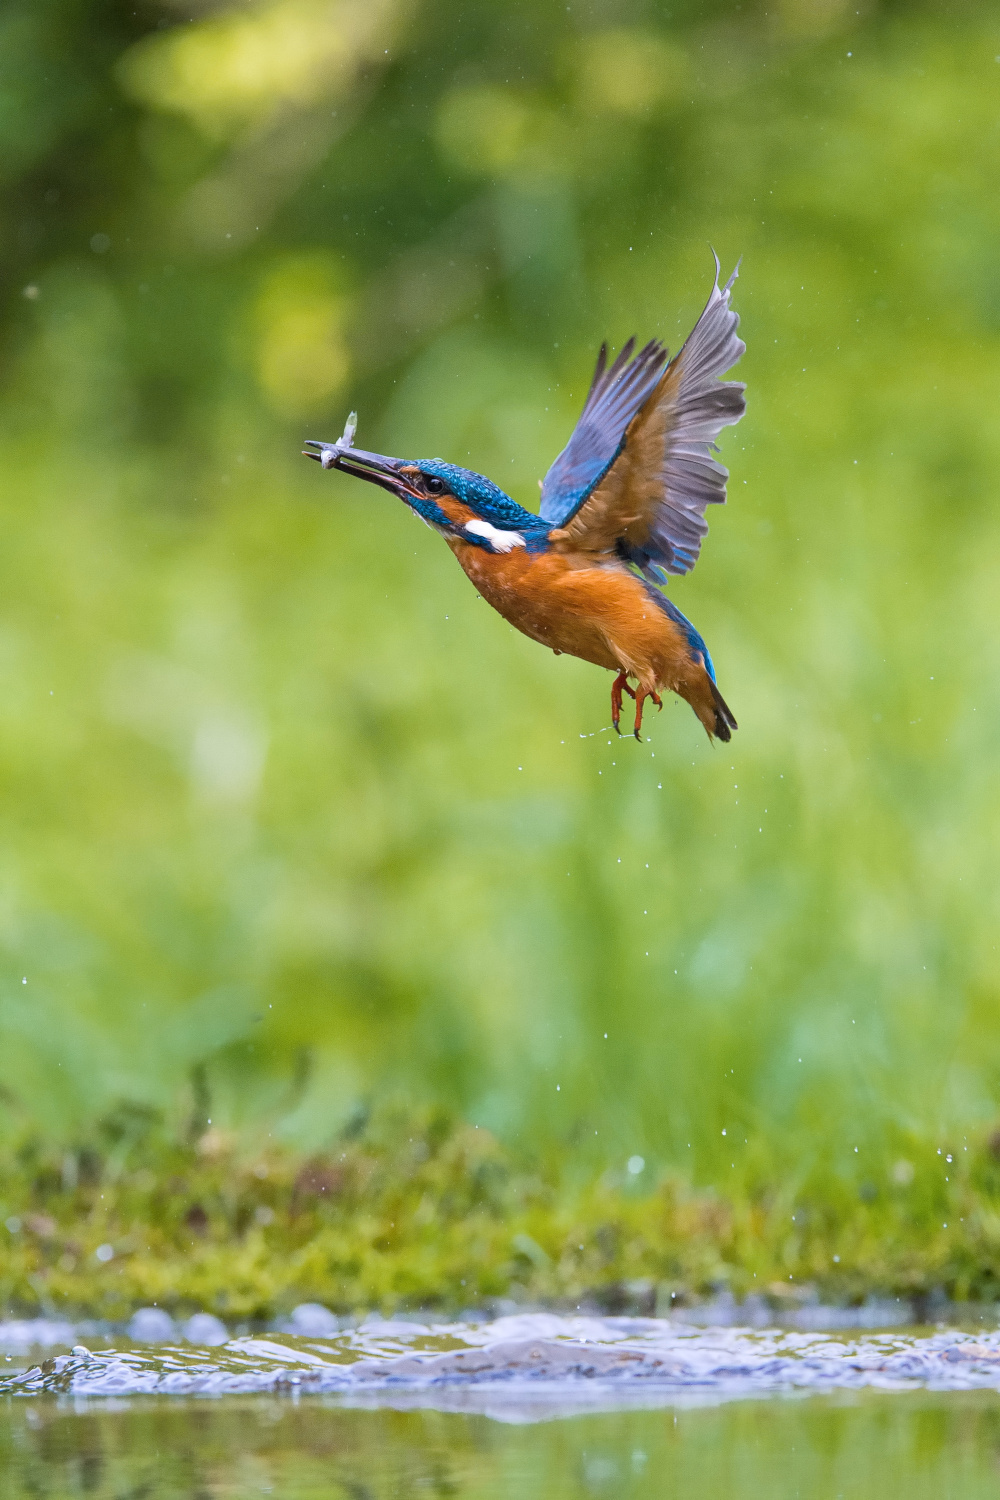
(409,1211)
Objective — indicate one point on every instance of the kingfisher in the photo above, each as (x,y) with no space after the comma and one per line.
(622,507)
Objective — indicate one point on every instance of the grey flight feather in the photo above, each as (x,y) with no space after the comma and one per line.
(700,407)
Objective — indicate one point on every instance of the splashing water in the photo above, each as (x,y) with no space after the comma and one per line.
(525,1365)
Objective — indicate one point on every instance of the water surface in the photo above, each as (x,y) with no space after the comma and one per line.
(857,1445)
(534,1404)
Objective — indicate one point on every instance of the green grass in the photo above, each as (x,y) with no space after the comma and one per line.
(410,1211)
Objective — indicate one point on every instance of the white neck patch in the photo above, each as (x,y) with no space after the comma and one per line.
(500,541)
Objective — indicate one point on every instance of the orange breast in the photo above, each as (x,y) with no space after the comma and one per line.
(601,613)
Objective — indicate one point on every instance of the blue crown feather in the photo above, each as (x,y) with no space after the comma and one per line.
(487,499)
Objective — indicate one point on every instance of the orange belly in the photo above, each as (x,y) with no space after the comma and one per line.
(602,614)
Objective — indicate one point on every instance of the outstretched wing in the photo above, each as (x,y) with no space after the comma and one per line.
(649,506)
(614,398)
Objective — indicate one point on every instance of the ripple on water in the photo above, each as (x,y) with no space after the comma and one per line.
(571,1362)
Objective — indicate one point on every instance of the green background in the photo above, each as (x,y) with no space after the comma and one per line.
(290,821)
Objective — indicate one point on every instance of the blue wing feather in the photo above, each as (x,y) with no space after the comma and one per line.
(615,395)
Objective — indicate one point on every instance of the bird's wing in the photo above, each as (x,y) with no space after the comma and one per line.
(614,398)
(649,505)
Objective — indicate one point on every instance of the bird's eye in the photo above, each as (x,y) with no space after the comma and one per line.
(433,485)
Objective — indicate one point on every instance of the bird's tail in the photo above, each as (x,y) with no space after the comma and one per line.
(724,721)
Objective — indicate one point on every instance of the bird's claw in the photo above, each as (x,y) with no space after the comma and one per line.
(619,686)
(640,697)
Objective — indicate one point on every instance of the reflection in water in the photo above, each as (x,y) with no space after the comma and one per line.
(860,1446)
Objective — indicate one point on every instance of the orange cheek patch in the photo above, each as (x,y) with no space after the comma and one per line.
(457,513)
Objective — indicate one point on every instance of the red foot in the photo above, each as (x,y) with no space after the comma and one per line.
(640,697)
(619,686)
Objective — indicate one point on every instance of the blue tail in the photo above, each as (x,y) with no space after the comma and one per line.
(724,720)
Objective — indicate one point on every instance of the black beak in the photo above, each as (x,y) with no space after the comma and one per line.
(374,467)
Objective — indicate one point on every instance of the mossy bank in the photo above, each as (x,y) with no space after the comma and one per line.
(423,1211)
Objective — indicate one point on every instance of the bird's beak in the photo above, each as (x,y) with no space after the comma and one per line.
(374,467)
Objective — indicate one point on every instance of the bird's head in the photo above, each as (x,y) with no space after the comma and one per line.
(458,502)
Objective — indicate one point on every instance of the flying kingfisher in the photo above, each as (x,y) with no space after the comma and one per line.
(622,506)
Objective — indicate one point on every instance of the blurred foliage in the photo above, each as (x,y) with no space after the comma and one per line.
(287,809)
